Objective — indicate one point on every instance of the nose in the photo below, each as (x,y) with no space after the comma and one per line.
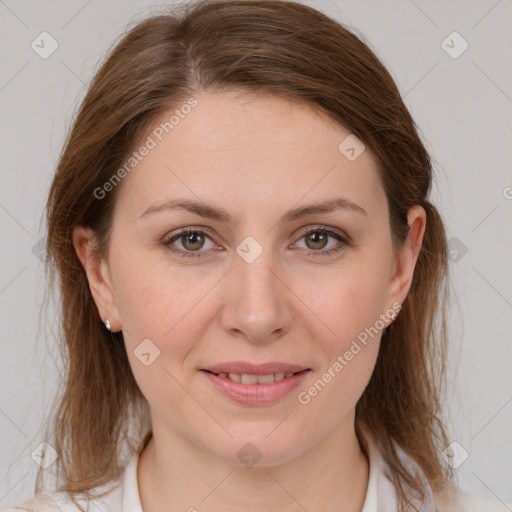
(257,303)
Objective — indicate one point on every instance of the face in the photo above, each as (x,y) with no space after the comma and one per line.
(258,285)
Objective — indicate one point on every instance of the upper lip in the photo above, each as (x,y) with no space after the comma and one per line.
(254,369)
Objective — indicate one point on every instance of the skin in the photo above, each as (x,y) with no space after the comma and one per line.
(256,157)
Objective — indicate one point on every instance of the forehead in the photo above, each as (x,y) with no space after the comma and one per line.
(239,122)
(244,149)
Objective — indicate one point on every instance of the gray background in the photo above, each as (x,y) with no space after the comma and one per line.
(463,108)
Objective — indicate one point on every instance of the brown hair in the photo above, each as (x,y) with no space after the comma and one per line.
(268,46)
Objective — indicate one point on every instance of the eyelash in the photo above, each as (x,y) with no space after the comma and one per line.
(345,242)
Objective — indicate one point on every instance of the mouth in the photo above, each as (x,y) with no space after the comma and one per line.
(255,389)
(252,378)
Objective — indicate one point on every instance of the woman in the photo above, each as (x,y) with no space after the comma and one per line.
(251,275)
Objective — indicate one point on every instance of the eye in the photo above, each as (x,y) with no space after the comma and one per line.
(316,239)
(192,240)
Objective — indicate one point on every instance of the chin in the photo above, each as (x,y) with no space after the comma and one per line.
(258,449)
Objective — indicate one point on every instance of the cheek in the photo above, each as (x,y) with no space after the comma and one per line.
(349,340)
(158,310)
(151,294)
(347,301)
(161,303)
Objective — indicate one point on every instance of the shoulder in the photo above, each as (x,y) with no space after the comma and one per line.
(473,502)
(465,501)
(39,503)
(110,501)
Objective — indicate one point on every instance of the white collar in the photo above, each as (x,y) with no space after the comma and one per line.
(380,493)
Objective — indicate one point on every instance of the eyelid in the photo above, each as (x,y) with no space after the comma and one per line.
(341,236)
(183,231)
(302,232)
(329,230)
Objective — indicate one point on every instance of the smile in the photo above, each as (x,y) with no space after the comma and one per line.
(252,389)
(249,378)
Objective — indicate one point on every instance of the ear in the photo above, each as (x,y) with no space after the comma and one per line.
(405,262)
(98,275)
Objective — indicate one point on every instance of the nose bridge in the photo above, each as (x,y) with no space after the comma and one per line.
(257,297)
(258,285)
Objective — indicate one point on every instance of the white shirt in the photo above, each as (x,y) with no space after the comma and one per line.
(380,494)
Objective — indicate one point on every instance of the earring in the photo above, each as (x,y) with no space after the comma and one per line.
(107,324)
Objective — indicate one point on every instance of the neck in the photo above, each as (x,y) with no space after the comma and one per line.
(175,475)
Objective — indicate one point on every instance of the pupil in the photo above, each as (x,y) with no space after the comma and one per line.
(318,238)
(194,238)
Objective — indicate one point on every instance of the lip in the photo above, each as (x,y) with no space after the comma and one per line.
(255,369)
(256,394)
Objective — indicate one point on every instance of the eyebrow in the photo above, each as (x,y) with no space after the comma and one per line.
(222,215)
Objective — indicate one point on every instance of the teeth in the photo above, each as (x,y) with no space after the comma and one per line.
(265,379)
(251,379)
(246,378)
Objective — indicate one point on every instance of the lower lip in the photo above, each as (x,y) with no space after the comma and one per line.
(255,394)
